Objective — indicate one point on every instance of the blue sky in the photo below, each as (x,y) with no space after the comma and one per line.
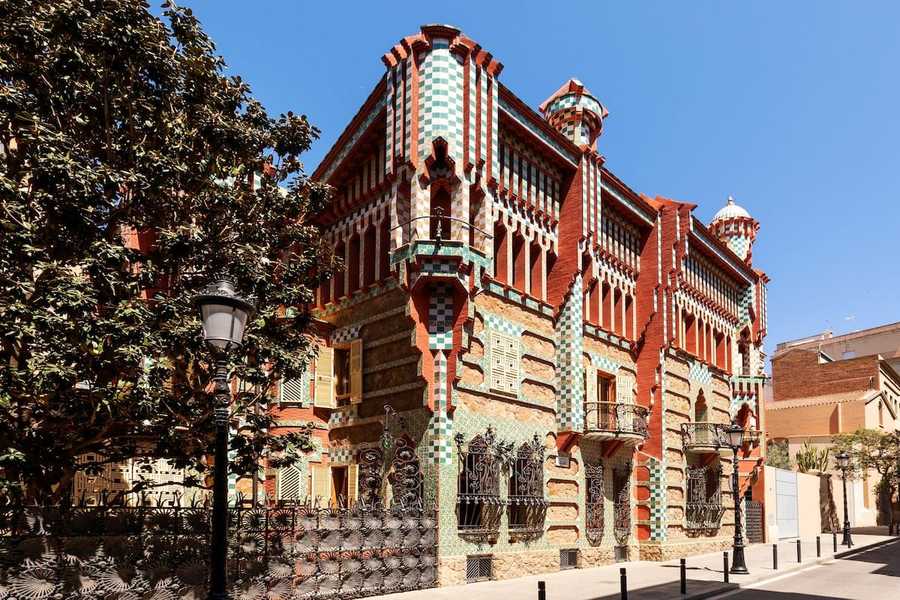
(792,107)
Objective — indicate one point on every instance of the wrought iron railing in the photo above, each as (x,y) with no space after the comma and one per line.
(478,502)
(703,515)
(702,435)
(526,506)
(438,226)
(615,417)
(703,509)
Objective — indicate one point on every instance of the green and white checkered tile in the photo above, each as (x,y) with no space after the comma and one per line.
(700,373)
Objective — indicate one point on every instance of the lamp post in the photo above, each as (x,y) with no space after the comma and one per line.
(734,437)
(224,314)
(843,462)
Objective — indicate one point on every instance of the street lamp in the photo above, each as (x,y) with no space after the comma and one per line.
(734,437)
(224,314)
(843,463)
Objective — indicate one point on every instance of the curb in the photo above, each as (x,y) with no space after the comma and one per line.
(730,587)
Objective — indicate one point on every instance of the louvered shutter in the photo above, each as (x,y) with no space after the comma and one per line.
(289,483)
(325,378)
(356,371)
(291,391)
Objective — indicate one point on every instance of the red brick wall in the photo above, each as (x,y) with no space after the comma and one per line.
(798,374)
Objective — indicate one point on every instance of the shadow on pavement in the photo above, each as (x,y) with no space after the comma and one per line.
(884,556)
(768,595)
(668,591)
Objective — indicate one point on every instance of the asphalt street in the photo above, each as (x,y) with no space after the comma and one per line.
(870,575)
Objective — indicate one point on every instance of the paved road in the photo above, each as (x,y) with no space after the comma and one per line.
(869,575)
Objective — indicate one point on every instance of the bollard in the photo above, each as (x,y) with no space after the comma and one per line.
(834,539)
(725,565)
(683,577)
(775,556)
(542,590)
(623,584)
(818,546)
(798,552)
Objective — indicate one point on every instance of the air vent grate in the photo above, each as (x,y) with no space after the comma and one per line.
(568,559)
(479,567)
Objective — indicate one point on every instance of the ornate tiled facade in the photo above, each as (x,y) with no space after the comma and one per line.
(501,285)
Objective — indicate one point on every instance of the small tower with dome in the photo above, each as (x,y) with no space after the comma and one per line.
(575,112)
(734,226)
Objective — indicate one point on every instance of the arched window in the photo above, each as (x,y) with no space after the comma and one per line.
(338,276)
(353,265)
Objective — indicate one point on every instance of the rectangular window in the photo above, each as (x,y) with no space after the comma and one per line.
(504,363)
(342,376)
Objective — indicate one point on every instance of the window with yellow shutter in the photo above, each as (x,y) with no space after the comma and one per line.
(324,390)
(356,371)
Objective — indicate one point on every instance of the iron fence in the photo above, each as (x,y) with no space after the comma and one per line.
(160,552)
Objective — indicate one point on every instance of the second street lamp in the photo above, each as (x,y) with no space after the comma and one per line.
(843,462)
(224,314)
(734,437)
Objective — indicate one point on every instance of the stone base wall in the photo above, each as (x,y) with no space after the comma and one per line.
(509,565)
(683,549)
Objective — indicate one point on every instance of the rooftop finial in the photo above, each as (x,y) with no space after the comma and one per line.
(730,200)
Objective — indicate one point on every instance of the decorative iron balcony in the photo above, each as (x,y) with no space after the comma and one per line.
(703,516)
(702,437)
(615,421)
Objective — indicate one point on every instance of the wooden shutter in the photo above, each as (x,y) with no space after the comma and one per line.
(325,378)
(356,371)
(352,484)
(320,484)
(625,389)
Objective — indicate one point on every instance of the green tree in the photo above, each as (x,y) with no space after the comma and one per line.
(117,125)
(873,450)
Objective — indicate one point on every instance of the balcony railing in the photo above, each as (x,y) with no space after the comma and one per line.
(609,420)
(440,228)
(709,437)
(702,436)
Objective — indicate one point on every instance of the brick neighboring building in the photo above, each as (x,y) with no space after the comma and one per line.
(815,397)
(503,287)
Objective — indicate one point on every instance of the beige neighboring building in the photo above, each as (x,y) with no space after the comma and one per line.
(816,396)
(883,340)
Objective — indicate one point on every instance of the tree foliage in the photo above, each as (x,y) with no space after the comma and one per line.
(132,171)
(777,454)
(871,450)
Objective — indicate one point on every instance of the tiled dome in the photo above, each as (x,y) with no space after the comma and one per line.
(731,211)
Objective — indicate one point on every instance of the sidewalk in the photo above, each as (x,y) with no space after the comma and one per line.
(648,580)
